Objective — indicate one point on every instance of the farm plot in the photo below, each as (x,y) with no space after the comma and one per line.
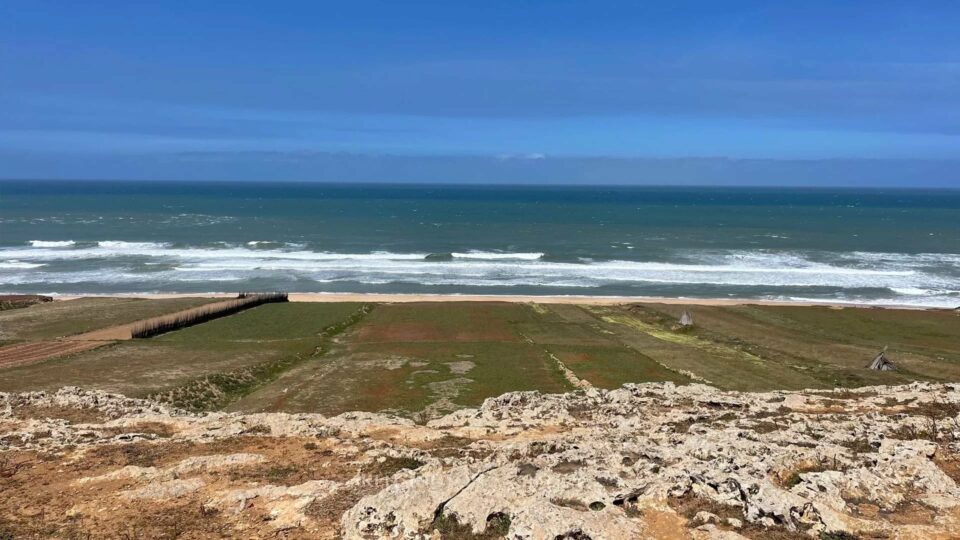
(431,358)
(594,354)
(775,347)
(138,368)
(425,359)
(65,318)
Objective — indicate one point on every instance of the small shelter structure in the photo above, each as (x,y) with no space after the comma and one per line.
(686,319)
(882,363)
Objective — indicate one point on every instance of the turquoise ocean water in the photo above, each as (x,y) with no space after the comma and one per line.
(869,246)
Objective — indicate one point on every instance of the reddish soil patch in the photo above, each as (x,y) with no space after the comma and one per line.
(41,498)
(949,463)
(436,323)
(418,331)
(27,353)
(401,331)
(575,358)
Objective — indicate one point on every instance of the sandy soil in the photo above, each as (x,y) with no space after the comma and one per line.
(587,300)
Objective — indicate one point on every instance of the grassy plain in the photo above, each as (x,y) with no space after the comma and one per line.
(411,357)
(58,319)
(771,347)
(141,367)
(428,358)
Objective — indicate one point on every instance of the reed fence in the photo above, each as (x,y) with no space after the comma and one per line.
(246,300)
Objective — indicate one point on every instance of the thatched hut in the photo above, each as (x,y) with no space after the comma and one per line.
(881,363)
(686,319)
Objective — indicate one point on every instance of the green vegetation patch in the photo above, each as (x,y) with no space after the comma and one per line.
(921,331)
(409,377)
(722,364)
(411,358)
(444,321)
(69,317)
(198,367)
(216,390)
(269,322)
(612,367)
(426,359)
(829,345)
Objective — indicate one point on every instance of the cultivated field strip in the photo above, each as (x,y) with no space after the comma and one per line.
(26,353)
(20,354)
(425,359)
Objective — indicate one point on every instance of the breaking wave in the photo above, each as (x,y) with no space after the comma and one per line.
(496,256)
(929,279)
(51,243)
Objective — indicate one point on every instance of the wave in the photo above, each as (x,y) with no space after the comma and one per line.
(928,278)
(496,255)
(439,257)
(51,243)
(269,244)
(929,302)
(18,265)
(111,248)
(912,291)
(130,246)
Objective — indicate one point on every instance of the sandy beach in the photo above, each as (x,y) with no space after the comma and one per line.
(585,300)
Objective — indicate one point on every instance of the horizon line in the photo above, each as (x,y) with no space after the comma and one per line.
(470,183)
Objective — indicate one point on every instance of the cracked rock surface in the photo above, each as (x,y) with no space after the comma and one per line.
(643,461)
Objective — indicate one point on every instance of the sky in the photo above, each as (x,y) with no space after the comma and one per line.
(680,92)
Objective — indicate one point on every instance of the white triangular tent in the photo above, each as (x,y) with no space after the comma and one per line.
(686,319)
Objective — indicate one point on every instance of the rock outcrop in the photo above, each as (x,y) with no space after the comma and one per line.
(643,461)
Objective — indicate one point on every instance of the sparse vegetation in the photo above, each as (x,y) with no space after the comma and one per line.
(450,528)
(569,502)
(793,476)
(766,427)
(19,301)
(389,466)
(860,445)
(690,505)
(837,535)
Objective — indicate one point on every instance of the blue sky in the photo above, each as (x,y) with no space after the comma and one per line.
(453,90)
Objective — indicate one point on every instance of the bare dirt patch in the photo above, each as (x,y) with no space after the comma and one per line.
(461,367)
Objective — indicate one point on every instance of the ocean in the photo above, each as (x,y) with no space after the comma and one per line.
(897,247)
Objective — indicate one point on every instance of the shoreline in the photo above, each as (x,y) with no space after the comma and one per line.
(541,299)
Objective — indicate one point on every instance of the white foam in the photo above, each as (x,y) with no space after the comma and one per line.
(928,277)
(911,291)
(104,276)
(130,246)
(51,243)
(497,255)
(929,302)
(112,248)
(18,265)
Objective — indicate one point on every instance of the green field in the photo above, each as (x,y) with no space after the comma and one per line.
(425,359)
(792,347)
(141,367)
(57,319)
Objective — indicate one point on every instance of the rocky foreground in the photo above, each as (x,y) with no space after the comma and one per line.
(644,461)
